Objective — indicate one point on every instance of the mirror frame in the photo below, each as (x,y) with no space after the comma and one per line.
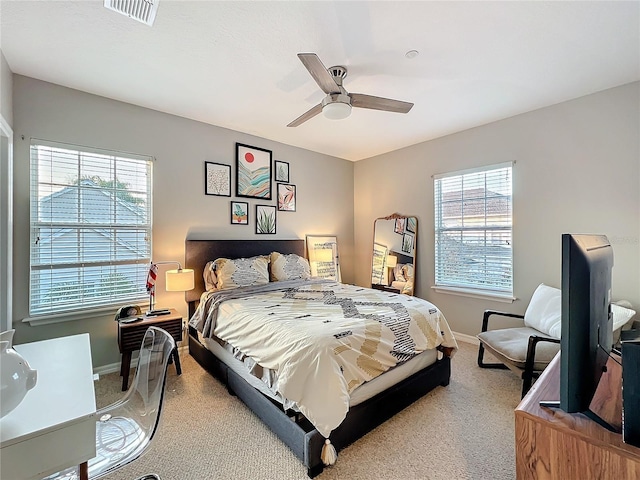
(383,274)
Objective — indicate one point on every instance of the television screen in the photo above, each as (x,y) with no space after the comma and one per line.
(587,323)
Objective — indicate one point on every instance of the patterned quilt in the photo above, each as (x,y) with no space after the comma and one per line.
(323,339)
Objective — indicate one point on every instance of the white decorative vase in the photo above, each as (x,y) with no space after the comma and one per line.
(16,376)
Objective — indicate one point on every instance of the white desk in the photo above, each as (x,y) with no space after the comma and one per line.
(54,427)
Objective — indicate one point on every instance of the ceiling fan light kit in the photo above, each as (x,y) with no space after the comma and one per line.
(338,102)
(336,107)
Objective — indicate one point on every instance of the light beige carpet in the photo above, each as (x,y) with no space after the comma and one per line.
(463,431)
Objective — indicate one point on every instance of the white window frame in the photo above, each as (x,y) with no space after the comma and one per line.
(459,279)
(85,262)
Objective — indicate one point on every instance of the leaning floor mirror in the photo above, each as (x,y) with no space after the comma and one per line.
(393,265)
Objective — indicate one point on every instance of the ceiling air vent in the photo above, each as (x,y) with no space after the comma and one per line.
(141,10)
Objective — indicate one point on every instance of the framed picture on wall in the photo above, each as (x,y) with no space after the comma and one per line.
(407,243)
(265,219)
(239,213)
(253,172)
(281,171)
(399,226)
(217,179)
(286,197)
(410,226)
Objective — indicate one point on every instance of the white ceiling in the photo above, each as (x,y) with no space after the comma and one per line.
(233,64)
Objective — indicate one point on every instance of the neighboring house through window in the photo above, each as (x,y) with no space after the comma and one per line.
(473,229)
(90,227)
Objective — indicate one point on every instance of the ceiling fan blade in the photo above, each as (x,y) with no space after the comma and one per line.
(379,103)
(306,116)
(319,72)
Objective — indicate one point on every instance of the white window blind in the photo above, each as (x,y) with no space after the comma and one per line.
(473,226)
(90,227)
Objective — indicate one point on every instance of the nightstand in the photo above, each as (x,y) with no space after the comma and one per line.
(130,337)
(385,288)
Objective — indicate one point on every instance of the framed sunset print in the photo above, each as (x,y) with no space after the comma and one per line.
(253,172)
(286,197)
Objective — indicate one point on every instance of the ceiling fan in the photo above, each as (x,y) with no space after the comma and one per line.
(338,102)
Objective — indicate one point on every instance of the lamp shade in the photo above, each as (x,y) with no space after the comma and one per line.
(179,280)
(336,110)
(392,261)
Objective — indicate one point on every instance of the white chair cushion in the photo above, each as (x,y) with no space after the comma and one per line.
(545,310)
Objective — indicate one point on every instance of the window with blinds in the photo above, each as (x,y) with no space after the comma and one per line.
(473,227)
(90,228)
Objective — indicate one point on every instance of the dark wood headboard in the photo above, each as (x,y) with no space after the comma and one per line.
(402,258)
(199,252)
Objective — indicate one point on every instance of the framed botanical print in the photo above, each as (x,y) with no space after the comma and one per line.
(399,226)
(265,219)
(407,243)
(253,172)
(239,213)
(286,197)
(281,171)
(217,179)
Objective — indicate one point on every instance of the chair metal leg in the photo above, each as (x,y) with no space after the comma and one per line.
(482,364)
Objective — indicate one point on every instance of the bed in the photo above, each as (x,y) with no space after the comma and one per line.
(291,421)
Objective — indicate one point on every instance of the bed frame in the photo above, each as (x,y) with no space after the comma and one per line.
(291,427)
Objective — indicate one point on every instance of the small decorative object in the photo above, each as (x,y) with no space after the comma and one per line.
(322,252)
(286,197)
(253,172)
(217,179)
(239,213)
(265,219)
(282,171)
(16,376)
(407,243)
(399,226)
(411,224)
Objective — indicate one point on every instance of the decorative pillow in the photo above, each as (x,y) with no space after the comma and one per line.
(621,314)
(408,272)
(398,273)
(241,272)
(210,278)
(289,267)
(545,310)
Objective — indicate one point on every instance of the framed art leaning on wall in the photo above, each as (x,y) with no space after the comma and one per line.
(322,252)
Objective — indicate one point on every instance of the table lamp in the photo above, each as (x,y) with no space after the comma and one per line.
(392,261)
(179,280)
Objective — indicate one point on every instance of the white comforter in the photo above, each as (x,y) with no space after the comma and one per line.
(323,339)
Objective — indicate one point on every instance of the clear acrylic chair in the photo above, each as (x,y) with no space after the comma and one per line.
(124,430)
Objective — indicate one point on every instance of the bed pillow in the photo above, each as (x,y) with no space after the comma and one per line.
(398,273)
(408,272)
(209,275)
(545,310)
(289,267)
(241,272)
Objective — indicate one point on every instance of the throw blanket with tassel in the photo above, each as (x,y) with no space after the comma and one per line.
(323,339)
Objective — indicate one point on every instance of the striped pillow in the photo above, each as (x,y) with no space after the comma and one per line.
(241,272)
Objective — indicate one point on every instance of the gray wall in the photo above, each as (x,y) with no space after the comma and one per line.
(180,208)
(577,171)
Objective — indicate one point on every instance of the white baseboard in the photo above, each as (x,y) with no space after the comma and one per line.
(466,338)
(115,367)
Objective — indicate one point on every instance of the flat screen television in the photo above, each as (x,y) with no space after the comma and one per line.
(587,323)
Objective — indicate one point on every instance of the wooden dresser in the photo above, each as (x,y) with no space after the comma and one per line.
(552,444)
